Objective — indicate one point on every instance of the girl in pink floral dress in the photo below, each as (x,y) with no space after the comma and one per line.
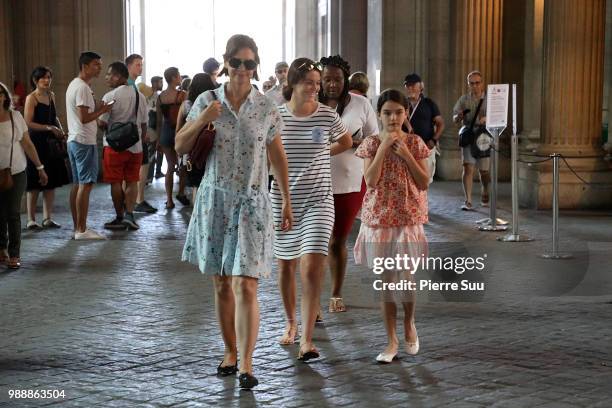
(394,210)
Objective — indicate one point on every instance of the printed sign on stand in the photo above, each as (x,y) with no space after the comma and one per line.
(497,106)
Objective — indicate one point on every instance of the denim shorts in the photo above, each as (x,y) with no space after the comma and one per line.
(83,162)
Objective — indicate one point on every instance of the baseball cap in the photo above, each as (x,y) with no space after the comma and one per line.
(412,79)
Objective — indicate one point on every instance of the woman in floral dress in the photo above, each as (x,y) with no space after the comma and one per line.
(230,232)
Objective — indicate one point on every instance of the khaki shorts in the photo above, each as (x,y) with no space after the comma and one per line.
(467,158)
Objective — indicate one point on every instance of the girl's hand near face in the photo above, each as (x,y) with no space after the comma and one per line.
(400,148)
(388,140)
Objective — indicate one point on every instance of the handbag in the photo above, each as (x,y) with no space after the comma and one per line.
(202,146)
(482,145)
(466,133)
(56,147)
(6,178)
(123,135)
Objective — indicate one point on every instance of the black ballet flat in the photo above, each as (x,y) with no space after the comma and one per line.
(227,370)
(247,381)
(309,355)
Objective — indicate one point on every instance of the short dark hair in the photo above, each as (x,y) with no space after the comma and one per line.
(39,72)
(391,95)
(8,100)
(200,83)
(131,58)
(210,65)
(156,79)
(86,57)
(119,68)
(185,83)
(170,74)
(359,82)
(235,44)
(295,75)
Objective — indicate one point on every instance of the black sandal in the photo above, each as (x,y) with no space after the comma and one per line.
(309,355)
(247,381)
(227,370)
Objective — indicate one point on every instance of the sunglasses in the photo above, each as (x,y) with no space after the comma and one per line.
(237,62)
(309,66)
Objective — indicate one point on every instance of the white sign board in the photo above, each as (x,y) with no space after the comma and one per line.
(497,106)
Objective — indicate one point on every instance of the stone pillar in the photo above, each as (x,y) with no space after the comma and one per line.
(571,106)
(353,25)
(475,34)
(306,29)
(6,43)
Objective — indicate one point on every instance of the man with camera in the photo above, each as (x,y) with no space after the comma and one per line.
(127,116)
(470,111)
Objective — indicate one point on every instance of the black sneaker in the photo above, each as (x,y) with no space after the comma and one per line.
(159,175)
(182,198)
(130,223)
(145,207)
(116,224)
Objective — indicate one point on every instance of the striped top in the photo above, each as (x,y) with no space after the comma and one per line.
(307,141)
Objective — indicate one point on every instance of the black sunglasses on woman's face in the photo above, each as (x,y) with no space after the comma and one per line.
(237,62)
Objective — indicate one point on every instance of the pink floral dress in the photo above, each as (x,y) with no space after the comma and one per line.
(393,212)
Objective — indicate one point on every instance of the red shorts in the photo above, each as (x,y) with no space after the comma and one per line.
(346,207)
(123,166)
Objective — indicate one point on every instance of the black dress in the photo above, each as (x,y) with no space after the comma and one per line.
(55,167)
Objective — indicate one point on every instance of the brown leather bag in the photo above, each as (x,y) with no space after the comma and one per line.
(202,146)
(6,178)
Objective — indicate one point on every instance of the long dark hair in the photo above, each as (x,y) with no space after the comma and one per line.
(200,83)
(391,95)
(338,62)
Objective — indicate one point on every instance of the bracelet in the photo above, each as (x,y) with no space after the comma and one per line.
(41,167)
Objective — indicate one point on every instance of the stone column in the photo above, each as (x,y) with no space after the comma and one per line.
(6,43)
(571,106)
(475,35)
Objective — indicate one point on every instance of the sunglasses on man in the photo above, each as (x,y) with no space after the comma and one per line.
(249,64)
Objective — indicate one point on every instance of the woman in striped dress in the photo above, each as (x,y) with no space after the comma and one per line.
(311,132)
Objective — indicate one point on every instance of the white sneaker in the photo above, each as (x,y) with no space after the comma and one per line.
(88,234)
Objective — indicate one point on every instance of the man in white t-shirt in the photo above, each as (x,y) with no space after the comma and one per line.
(123,167)
(82,112)
(276,93)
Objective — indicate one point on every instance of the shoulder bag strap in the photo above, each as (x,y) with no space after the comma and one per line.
(136,109)
(476,113)
(12,139)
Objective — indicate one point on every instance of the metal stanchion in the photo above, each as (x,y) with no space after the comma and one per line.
(515,236)
(555,254)
(493,223)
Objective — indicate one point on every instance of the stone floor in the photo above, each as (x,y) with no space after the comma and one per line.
(123,323)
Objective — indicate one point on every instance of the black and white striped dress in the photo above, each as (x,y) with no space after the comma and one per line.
(307,142)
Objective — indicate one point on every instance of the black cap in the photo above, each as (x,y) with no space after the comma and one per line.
(412,79)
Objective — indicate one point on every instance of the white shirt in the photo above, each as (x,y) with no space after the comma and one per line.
(123,111)
(276,94)
(80,94)
(346,168)
(19,159)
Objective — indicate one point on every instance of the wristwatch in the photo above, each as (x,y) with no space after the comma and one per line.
(41,167)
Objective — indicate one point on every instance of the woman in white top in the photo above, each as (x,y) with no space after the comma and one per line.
(346,168)
(311,132)
(15,144)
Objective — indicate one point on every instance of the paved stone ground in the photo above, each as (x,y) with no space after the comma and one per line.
(122,323)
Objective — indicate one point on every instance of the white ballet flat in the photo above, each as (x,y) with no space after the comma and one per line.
(386,358)
(413,348)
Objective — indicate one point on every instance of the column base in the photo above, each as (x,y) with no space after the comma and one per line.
(535,184)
